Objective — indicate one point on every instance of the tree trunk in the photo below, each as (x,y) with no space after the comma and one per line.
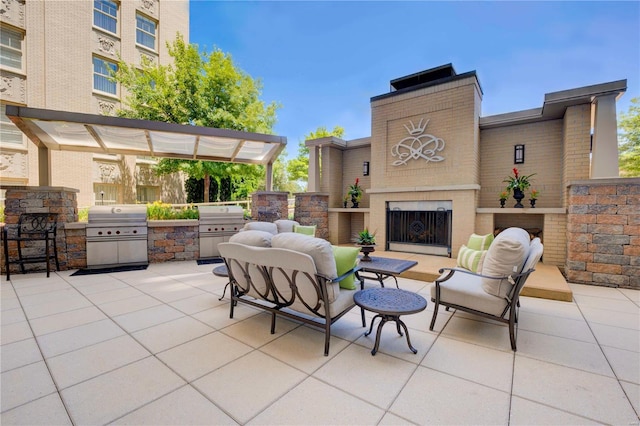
(207,183)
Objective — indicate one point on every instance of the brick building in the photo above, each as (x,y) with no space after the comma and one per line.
(57,55)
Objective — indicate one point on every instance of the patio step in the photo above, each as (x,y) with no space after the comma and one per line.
(547,282)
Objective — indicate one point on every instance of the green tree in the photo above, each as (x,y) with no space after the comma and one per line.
(629,147)
(298,168)
(203,89)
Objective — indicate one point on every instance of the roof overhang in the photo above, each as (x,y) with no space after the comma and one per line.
(555,104)
(69,131)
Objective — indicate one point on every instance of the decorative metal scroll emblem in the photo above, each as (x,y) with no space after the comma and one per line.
(417,145)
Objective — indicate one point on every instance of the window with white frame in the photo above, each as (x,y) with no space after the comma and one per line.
(105,15)
(11,48)
(102,70)
(145,32)
(10,135)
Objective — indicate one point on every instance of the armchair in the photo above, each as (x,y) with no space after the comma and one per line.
(495,292)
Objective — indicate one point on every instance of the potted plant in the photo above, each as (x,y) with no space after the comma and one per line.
(518,183)
(367,240)
(503,198)
(345,200)
(534,197)
(355,191)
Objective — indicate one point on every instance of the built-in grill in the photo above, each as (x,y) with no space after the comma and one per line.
(217,225)
(117,235)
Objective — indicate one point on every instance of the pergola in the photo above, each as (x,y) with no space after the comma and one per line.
(69,131)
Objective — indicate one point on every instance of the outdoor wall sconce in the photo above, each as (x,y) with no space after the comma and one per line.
(518,154)
(365,168)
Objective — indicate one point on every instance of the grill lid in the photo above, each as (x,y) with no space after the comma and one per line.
(220,212)
(119,214)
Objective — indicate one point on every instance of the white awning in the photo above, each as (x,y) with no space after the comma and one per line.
(69,131)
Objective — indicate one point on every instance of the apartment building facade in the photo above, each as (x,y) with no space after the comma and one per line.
(58,55)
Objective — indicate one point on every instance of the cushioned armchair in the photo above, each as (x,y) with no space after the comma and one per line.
(494,292)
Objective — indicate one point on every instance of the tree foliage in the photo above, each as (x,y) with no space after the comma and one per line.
(629,147)
(298,168)
(203,89)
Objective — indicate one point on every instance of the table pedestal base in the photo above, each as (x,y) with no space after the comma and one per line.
(383,320)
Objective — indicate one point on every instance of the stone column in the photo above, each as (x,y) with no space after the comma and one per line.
(43,199)
(269,206)
(312,208)
(604,158)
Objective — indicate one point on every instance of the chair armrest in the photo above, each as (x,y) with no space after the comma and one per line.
(343,276)
(447,273)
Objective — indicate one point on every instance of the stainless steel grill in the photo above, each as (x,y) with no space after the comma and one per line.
(117,235)
(217,225)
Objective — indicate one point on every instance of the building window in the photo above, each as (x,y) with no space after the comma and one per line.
(102,70)
(105,15)
(145,32)
(11,48)
(9,133)
(147,194)
(105,194)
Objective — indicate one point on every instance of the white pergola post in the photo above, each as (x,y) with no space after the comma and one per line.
(314,169)
(269,177)
(604,150)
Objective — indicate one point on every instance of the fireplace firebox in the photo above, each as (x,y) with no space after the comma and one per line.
(422,227)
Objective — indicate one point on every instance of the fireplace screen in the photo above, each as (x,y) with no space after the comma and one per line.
(419,231)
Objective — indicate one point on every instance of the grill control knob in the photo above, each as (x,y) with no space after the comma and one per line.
(135,231)
(215,229)
(99,232)
(222,229)
(117,232)
(108,232)
(208,229)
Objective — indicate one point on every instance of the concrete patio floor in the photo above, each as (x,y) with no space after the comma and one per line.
(158,347)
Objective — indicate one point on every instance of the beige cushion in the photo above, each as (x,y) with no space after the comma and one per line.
(252,238)
(466,290)
(320,250)
(535,253)
(272,228)
(285,225)
(470,259)
(506,256)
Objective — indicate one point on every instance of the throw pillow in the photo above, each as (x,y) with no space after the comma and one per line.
(470,259)
(346,259)
(317,248)
(252,238)
(480,242)
(505,256)
(306,230)
(285,225)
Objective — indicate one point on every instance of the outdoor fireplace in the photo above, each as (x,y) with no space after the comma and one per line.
(422,227)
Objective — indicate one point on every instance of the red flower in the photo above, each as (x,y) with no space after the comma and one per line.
(357,180)
(515,172)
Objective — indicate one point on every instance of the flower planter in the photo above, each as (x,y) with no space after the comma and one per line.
(366,249)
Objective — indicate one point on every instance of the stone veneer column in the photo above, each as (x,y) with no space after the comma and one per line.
(274,203)
(603,233)
(312,208)
(43,199)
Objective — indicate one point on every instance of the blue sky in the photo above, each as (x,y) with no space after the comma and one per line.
(323,61)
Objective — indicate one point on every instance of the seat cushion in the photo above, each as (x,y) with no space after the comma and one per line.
(470,259)
(261,226)
(506,256)
(346,259)
(320,250)
(252,238)
(480,242)
(306,230)
(466,290)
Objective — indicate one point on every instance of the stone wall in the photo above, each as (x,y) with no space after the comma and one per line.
(173,240)
(312,208)
(603,232)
